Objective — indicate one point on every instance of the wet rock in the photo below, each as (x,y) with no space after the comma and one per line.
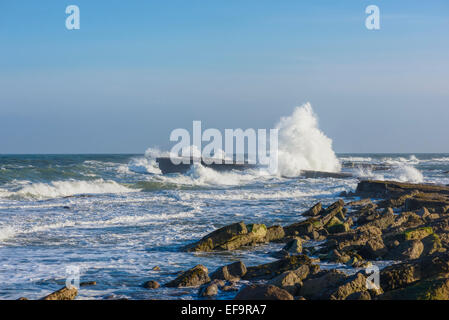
(151,284)
(230,288)
(231,272)
(88,283)
(62,294)
(156,268)
(263,292)
(418,234)
(194,277)
(208,290)
(230,238)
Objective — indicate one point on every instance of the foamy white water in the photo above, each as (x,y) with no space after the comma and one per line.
(303,146)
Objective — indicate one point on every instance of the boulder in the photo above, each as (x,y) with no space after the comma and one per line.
(62,294)
(314,288)
(314,211)
(218,237)
(274,233)
(151,284)
(194,277)
(410,249)
(232,272)
(288,280)
(272,269)
(373,249)
(303,228)
(208,290)
(263,292)
(293,246)
(230,237)
(335,225)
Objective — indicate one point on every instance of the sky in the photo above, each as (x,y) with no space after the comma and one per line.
(136,70)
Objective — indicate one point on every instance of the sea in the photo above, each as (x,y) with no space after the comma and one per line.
(115,217)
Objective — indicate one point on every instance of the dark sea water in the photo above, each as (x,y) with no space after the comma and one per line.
(116,217)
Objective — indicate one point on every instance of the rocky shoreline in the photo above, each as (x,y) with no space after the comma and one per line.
(406,225)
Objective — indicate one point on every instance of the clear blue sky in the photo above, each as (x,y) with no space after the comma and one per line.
(138,69)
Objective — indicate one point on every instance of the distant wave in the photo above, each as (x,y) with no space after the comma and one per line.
(58,189)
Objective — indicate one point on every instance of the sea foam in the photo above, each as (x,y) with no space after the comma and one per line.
(303,146)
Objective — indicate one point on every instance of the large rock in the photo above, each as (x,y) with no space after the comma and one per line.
(194,277)
(62,294)
(218,237)
(263,292)
(354,238)
(274,233)
(410,249)
(373,249)
(272,269)
(230,237)
(381,189)
(294,246)
(334,285)
(314,211)
(232,272)
(403,274)
(208,290)
(288,280)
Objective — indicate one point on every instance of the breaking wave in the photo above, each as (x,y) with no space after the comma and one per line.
(58,189)
(303,146)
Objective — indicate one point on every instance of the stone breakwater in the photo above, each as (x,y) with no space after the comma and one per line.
(405,224)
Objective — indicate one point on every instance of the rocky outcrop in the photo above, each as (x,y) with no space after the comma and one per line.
(403,274)
(62,294)
(194,277)
(263,292)
(436,288)
(382,189)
